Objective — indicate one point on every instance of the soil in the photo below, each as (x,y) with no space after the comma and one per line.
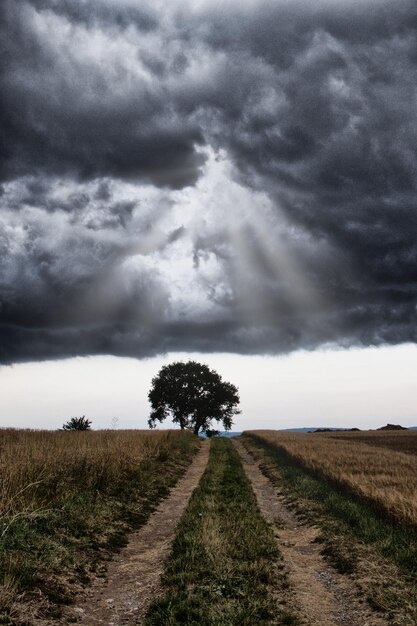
(133,576)
(322,596)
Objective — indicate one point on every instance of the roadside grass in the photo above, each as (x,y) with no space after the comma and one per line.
(357,539)
(224,568)
(68,500)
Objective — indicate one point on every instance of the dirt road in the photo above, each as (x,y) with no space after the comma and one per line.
(319,594)
(133,578)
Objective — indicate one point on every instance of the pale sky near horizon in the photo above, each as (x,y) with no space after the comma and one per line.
(364,388)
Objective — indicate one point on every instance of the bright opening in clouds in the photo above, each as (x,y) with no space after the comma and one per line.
(206,177)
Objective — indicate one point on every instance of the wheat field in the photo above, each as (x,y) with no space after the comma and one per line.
(39,469)
(379,474)
(399,440)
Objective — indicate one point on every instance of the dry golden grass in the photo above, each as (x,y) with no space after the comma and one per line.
(399,440)
(38,468)
(383,476)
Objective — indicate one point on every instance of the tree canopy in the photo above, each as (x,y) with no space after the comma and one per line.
(192,395)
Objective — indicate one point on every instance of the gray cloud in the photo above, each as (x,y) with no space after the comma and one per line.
(122,232)
(80,99)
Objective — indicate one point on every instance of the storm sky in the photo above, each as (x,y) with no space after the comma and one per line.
(207,177)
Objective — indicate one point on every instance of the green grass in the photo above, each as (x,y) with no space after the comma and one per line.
(45,559)
(351,531)
(224,569)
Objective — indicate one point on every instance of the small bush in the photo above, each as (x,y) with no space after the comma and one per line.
(77,423)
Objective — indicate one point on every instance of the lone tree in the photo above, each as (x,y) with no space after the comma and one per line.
(77,423)
(192,395)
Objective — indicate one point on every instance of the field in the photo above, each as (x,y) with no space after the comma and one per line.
(252,534)
(398,440)
(67,499)
(367,464)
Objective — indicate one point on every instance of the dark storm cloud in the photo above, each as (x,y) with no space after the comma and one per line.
(315,105)
(331,132)
(79,100)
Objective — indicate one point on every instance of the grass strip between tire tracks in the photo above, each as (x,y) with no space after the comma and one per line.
(224,568)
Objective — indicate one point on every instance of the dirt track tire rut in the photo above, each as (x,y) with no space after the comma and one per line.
(133,578)
(323,597)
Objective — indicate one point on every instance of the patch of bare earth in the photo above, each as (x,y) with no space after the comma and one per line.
(133,576)
(323,597)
